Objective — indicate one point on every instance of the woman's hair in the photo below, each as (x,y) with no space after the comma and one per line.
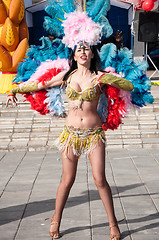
(94,67)
(119,34)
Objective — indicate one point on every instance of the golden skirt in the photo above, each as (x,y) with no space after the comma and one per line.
(81,140)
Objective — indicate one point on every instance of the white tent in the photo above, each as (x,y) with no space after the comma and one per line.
(34,8)
(41,6)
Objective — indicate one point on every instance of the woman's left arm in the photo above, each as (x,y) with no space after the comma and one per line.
(115,81)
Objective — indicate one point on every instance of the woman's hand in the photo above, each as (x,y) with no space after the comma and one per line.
(11,98)
(41,86)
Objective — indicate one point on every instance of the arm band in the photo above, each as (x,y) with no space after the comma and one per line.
(30,87)
(121,82)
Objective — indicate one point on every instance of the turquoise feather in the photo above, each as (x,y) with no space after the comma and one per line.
(68,6)
(38,54)
(97,10)
(107,30)
(107,53)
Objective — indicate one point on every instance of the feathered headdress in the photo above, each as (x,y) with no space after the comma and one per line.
(72,26)
(79,27)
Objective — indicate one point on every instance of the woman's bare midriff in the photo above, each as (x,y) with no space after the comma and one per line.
(83,117)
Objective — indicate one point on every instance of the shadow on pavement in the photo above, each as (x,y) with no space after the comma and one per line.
(18,212)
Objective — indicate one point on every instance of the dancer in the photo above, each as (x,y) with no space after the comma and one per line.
(88,89)
(83,132)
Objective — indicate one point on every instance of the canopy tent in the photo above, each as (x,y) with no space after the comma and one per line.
(41,6)
(120,17)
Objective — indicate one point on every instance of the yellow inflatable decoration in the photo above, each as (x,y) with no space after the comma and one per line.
(13,40)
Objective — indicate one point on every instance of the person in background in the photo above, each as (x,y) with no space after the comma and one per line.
(116,39)
(51,37)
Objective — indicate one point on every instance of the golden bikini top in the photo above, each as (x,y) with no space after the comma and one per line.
(89,94)
(92,93)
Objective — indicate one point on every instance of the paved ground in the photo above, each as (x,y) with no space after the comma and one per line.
(28,186)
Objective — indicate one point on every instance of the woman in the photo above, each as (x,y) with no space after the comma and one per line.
(83,130)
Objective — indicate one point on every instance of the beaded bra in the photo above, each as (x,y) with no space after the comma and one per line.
(89,94)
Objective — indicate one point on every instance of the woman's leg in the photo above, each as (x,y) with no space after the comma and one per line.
(97,160)
(69,164)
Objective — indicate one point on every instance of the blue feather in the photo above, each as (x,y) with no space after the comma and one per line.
(68,6)
(53,8)
(122,61)
(56,11)
(55,102)
(142,65)
(107,30)
(107,53)
(53,26)
(97,10)
(37,54)
(103,107)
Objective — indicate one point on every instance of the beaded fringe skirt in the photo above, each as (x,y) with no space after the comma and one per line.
(81,140)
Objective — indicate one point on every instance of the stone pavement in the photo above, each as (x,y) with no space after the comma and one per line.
(28,187)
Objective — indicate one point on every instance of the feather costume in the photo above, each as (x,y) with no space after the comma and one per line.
(38,54)
(48,100)
(122,62)
(65,22)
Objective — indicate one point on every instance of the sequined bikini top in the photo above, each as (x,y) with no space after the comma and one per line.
(89,94)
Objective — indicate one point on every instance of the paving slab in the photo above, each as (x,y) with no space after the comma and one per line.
(29,182)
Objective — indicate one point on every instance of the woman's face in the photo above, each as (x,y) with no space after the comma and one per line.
(83,53)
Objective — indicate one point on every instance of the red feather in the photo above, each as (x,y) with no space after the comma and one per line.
(36,99)
(48,75)
(115,108)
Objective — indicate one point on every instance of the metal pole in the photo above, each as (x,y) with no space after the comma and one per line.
(146,57)
(84,5)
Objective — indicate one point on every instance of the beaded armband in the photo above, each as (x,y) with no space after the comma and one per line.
(120,82)
(29,87)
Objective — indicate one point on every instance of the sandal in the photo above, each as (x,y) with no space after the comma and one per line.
(114,236)
(54,234)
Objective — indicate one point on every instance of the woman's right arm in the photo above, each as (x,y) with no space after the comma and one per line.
(55,81)
(32,87)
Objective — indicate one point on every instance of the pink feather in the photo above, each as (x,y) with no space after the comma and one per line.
(79,27)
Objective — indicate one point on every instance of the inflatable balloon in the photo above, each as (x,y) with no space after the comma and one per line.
(148,5)
(13,40)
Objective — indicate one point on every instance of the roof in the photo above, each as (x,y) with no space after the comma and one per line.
(37,6)
(41,5)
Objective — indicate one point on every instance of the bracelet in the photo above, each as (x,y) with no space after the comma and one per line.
(10,95)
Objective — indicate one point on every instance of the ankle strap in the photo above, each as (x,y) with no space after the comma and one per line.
(113,225)
(52,220)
